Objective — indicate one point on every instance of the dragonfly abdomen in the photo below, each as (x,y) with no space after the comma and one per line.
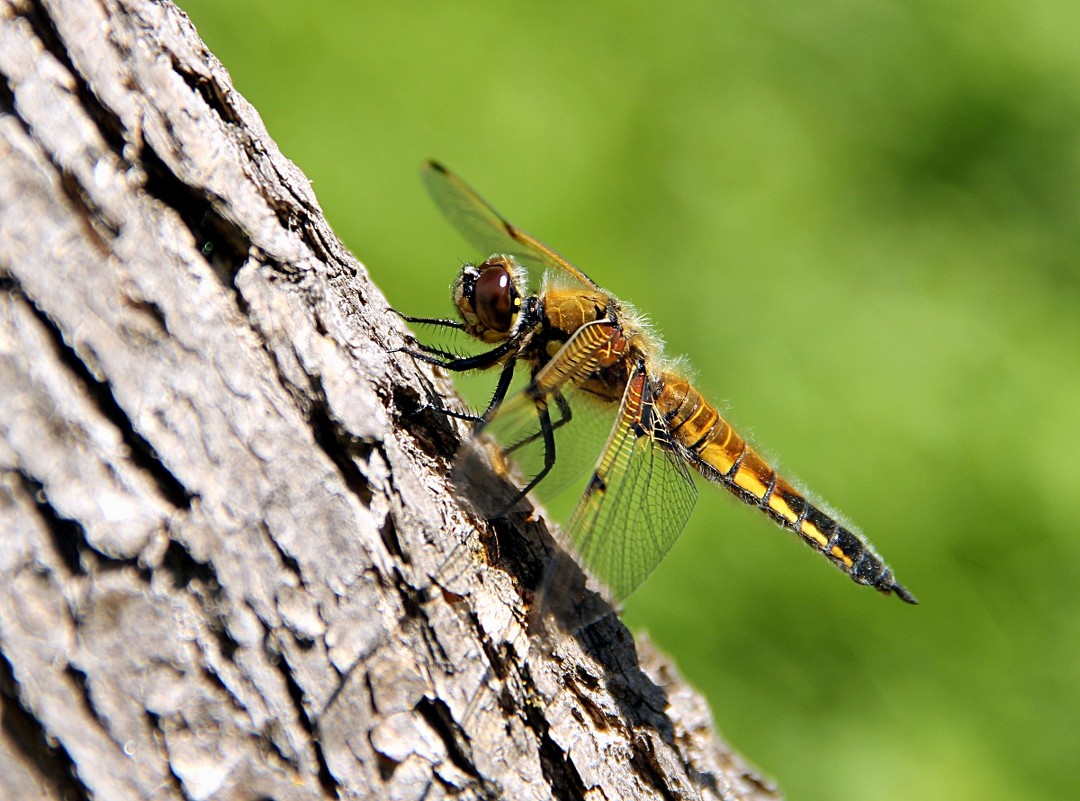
(718,452)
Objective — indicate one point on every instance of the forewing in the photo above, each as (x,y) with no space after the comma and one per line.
(638,499)
(486,229)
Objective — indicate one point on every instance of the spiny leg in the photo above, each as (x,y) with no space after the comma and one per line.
(442,322)
(548,433)
(455,363)
(458,364)
(566,416)
(505,377)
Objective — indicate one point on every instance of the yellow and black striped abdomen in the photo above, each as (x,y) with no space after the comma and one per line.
(718,452)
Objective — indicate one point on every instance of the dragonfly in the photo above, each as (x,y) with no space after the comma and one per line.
(587,351)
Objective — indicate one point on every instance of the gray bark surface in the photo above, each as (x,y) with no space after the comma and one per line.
(231,564)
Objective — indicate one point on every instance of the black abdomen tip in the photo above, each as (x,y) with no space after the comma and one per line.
(901,592)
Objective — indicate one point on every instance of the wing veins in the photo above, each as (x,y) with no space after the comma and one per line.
(639,498)
(483,227)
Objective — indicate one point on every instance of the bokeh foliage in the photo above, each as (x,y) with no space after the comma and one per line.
(860,222)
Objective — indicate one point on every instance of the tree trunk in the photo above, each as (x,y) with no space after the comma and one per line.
(231,565)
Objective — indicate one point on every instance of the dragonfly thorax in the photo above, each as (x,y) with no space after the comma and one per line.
(488,297)
(567,310)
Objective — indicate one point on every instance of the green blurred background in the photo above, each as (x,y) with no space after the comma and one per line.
(860,222)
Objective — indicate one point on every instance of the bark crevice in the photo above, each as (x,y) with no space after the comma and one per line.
(234,559)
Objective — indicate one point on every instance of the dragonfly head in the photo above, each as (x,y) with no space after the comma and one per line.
(488,296)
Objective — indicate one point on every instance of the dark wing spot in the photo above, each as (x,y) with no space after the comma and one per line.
(596,484)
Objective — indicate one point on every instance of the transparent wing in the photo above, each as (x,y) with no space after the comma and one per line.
(638,499)
(580,426)
(486,229)
(577,421)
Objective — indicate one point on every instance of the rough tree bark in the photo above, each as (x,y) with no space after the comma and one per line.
(225,533)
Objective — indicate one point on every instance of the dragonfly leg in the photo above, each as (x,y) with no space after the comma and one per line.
(505,377)
(428,350)
(566,415)
(438,321)
(468,417)
(444,358)
(457,364)
(453,362)
(501,389)
(547,431)
(564,410)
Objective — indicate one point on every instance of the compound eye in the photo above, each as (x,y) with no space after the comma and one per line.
(494,298)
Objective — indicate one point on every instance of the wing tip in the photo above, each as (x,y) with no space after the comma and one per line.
(431,165)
